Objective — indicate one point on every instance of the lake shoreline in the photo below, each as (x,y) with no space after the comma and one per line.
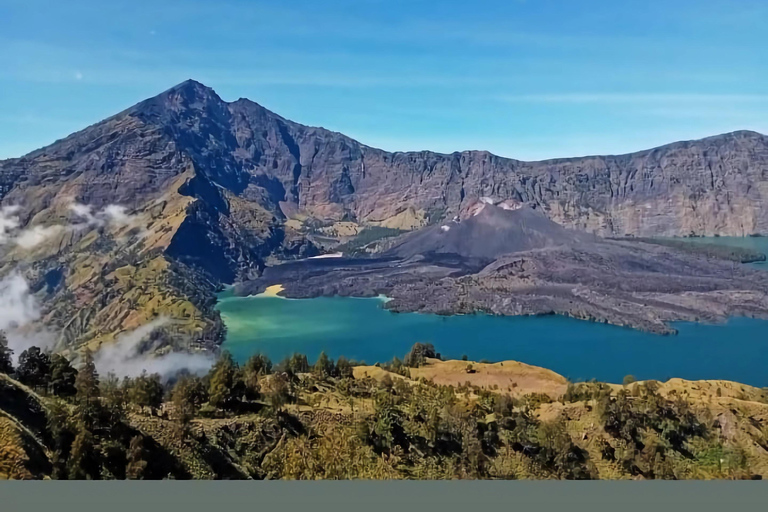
(578,349)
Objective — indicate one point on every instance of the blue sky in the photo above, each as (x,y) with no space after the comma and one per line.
(528,79)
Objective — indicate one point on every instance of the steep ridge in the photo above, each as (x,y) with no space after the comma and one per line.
(709,186)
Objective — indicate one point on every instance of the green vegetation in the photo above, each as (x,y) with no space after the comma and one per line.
(332,419)
(368,235)
(419,353)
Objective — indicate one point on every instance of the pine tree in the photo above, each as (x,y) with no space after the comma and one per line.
(87,389)
(418,354)
(220,389)
(59,425)
(324,366)
(63,376)
(84,461)
(277,391)
(258,364)
(6,361)
(87,381)
(256,367)
(34,368)
(113,396)
(343,367)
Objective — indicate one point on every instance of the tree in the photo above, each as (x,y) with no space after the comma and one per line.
(63,376)
(60,426)
(87,388)
(343,367)
(259,364)
(188,395)
(256,367)
(418,354)
(145,390)
(113,397)
(295,364)
(34,368)
(629,379)
(84,463)
(137,463)
(220,389)
(6,361)
(87,381)
(324,366)
(277,390)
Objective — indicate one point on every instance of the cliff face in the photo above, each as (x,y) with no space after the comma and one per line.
(711,186)
(706,187)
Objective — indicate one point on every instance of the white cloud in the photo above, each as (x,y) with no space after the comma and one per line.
(116,215)
(112,215)
(8,222)
(17,305)
(34,236)
(19,311)
(127,357)
(83,211)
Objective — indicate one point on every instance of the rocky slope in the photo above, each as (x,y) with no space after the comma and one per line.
(211,190)
(489,232)
(520,263)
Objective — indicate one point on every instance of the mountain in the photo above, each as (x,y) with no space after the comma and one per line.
(490,232)
(204,192)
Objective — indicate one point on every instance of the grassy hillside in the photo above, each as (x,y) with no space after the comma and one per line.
(431,420)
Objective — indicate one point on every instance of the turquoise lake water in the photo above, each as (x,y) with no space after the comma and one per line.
(758,243)
(361,329)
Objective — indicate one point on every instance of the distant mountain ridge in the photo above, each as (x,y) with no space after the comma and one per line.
(224,186)
(705,187)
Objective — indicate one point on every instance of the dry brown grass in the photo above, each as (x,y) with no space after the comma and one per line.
(512,377)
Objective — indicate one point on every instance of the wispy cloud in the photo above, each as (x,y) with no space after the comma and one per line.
(113,216)
(36,235)
(633,98)
(128,357)
(19,313)
(9,222)
(110,215)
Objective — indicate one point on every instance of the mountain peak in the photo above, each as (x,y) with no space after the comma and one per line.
(191,84)
(192,89)
(189,95)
